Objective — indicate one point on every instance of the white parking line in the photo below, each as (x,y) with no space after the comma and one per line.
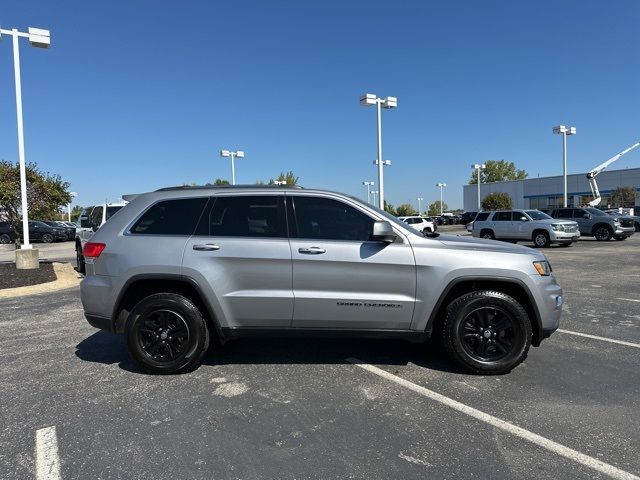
(629,299)
(543,442)
(604,339)
(47,461)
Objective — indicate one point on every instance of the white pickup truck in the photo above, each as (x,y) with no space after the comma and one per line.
(89,221)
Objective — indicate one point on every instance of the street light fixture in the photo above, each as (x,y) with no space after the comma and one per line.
(442,185)
(478,167)
(368,185)
(73,195)
(368,100)
(40,38)
(419,199)
(279,182)
(233,155)
(564,131)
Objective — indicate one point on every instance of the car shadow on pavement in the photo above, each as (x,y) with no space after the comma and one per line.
(107,348)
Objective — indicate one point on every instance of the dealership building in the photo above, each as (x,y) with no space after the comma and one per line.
(547,192)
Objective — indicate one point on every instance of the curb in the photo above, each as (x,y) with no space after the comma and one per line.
(67,277)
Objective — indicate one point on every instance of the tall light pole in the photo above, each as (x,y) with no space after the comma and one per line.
(442,185)
(375,193)
(42,39)
(564,131)
(368,100)
(419,199)
(73,195)
(478,167)
(368,185)
(233,155)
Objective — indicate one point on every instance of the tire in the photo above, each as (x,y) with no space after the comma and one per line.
(464,332)
(603,233)
(47,238)
(541,239)
(488,234)
(80,260)
(637,225)
(166,334)
(4,239)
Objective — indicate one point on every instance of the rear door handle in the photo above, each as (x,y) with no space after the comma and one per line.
(207,247)
(312,250)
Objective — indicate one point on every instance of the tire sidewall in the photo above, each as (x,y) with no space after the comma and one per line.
(461,307)
(538,235)
(5,239)
(198,333)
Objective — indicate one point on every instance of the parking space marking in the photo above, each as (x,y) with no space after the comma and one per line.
(604,339)
(47,460)
(527,435)
(629,299)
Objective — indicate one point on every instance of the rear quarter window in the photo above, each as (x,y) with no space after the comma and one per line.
(170,217)
(482,216)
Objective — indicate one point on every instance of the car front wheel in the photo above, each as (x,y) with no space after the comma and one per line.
(4,238)
(486,332)
(602,234)
(541,239)
(47,238)
(166,333)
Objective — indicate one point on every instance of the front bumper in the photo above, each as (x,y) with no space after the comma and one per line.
(624,231)
(549,300)
(561,236)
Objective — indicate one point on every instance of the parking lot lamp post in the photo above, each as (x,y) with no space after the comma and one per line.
(368,185)
(564,131)
(478,167)
(442,185)
(42,39)
(368,100)
(233,155)
(375,194)
(419,199)
(73,195)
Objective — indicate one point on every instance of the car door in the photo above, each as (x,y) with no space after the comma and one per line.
(503,225)
(341,279)
(584,219)
(521,228)
(240,257)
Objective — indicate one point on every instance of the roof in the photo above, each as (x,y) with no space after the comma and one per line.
(215,187)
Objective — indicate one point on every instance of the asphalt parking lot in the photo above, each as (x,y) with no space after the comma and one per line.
(73,401)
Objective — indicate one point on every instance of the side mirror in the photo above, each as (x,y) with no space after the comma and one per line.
(587,215)
(383,232)
(524,219)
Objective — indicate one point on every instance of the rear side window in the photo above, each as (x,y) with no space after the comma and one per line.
(171,217)
(482,216)
(564,213)
(245,216)
(502,217)
(327,219)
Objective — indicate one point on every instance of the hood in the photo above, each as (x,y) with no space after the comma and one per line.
(480,244)
(554,221)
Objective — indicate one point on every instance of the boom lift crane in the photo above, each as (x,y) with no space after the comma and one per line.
(591,176)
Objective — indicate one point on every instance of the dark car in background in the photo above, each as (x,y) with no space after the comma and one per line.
(7,235)
(468,217)
(70,231)
(38,231)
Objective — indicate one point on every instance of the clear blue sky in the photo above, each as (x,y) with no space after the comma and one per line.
(136,95)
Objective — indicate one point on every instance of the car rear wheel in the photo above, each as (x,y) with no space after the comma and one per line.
(486,332)
(4,238)
(541,239)
(603,234)
(166,333)
(47,238)
(80,259)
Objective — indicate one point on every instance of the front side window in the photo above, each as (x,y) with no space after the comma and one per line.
(595,212)
(537,215)
(566,213)
(326,219)
(245,216)
(170,217)
(502,217)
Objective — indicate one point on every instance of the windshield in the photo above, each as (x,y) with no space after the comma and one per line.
(595,212)
(537,215)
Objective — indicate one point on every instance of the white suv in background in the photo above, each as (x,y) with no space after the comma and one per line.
(419,223)
(89,221)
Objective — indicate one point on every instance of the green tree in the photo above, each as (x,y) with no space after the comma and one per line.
(498,171)
(405,210)
(287,177)
(47,194)
(220,182)
(434,208)
(624,197)
(497,201)
(389,209)
(75,212)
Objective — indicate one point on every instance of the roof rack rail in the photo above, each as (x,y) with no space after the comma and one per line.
(239,187)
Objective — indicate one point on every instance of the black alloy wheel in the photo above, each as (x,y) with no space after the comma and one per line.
(163,335)
(602,234)
(489,334)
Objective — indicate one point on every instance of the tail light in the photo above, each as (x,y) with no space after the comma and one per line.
(93,250)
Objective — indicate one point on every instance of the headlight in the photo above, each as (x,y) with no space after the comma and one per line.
(543,267)
(556,227)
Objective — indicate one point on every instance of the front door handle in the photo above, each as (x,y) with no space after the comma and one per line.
(312,250)
(207,247)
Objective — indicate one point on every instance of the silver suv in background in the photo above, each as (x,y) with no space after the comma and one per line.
(180,266)
(90,219)
(421,224)
(596,223)
(525,225)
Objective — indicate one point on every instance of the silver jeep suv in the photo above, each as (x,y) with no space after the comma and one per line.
(180,266)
